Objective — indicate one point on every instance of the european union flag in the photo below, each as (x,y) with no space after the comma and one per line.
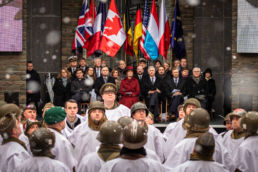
(177,39)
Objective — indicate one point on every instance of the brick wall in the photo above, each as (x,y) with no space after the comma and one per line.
(244,69)
(13,67)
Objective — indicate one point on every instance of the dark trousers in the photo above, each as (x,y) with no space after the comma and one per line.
(176,100)
(80,98)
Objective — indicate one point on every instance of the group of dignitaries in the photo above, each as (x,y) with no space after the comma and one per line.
(112,137)
(161,87)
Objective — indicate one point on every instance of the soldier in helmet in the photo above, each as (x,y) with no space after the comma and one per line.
(201,158)
(88,131)
(63,150)
(114,110)
(11,109)
(13,151)
(30,112)
(233,138)
(155,139)
(110,136)
(29,127)
(124,121)
(228,124)
(197,123)
(178,132)
(133,154)
(41,143)
(247,153)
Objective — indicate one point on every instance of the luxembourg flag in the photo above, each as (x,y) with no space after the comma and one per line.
(151,43)
(164,31)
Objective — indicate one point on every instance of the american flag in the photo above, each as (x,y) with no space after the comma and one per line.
(146,16)
(84,28)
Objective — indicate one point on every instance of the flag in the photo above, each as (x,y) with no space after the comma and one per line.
(177,39)
(93,44)
(164,31)
(128,46)
(152,35)
(84,27)
(92,11)
(146,16)
(114,35)
(137,31)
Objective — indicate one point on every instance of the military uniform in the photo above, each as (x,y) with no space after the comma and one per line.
(232,139)
(197,123)
(201,159)
(118,110)
(13,151)
(41,141)
(63,149)
(247,153)
(110,138)
(87,131)
(133,155)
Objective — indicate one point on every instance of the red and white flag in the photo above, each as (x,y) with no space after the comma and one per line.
(164,31)
(113,35)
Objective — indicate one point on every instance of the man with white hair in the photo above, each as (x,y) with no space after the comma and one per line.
(121,68)
(97,66)
(151,91)
(195,87)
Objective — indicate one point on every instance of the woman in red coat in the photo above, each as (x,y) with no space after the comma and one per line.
(129,89)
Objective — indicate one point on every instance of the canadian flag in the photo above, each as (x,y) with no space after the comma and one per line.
(113,35)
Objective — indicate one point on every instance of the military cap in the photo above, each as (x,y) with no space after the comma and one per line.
(108,87)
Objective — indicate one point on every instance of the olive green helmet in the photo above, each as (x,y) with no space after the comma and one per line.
(41,142)
(249,122)
(110,133)
(124,121)
(238,113)
(96,105)
(10,109)
(227,118)
(138,106)
(29,123)
(192,101)
(204,146)
(134,135)
(198,120)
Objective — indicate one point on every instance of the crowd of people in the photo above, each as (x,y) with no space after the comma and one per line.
(161,87)
(116,132)
(112,137)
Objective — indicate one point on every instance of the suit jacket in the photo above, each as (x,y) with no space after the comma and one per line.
(100,81)
(148,86)
(73,74)
(95,70)
(78,86)
(172,85)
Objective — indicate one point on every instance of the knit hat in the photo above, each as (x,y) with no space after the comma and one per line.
(54,115)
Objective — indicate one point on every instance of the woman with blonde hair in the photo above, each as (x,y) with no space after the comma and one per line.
(62,87)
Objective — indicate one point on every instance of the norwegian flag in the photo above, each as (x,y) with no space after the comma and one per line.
(84,28)
(146,16)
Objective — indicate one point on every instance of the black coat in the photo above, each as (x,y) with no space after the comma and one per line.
(100,81)
(211,89)
(171,85)
(78,86)
(95,70)
(73,74)
(141,86)
(192,89)
(34,77)
(61,93)
(148,86)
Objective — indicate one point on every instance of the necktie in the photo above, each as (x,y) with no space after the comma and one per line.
(176,81)
(105,80)
(152,80)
